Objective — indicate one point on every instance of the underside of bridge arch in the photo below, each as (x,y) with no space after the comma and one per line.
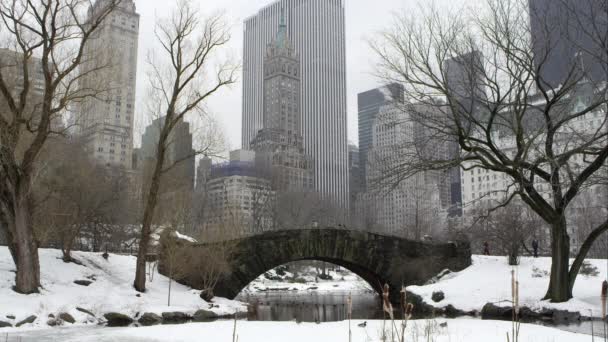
(377,259)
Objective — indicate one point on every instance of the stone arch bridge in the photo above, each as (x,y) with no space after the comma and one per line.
(376,258)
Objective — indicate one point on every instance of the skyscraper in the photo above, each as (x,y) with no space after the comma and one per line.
(278,146)
(369,104)
(566,33)
(179,154)
(316,28)
(106,120)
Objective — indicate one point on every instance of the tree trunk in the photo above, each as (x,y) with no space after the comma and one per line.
(559,285)
(26,248)
(582,254)
(151,200)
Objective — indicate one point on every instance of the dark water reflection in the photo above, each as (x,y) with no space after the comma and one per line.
(312,306)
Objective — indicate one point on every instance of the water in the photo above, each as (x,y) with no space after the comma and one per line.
(312,306)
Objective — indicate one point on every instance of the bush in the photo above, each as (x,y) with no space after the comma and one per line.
(589,270)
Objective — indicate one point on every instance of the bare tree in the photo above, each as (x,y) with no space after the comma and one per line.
(478,70)
(38,84)
(180,83)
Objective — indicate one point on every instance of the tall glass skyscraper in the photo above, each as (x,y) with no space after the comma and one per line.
(316,28)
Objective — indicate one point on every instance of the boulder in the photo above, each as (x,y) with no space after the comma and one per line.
(28,320)
(4,324)
(85,311)
(10,316)
(204,316)
(66,317)
(451,312)
(438,296)
(175,317)
(83,282)
(116,319)
(491,311)
(149,318)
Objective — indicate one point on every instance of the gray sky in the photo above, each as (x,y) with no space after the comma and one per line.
(363,19)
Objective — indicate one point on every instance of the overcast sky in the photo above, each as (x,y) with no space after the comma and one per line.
(363,19)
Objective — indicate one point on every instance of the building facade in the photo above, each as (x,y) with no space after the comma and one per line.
(412,207)
(179,154)
(564,33)
(368,105)
(316,28)
(236,199)
(106,121)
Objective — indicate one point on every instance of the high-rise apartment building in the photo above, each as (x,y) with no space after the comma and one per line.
(316,28)
(106,120)
(279,146)
(369,104)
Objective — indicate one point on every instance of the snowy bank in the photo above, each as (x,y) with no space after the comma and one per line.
(308,280)
(488,280)
(110,290)
(454,330)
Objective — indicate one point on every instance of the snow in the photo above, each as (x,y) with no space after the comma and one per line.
(185,237)
(488,280)
(456,330)
(342,281)
(111,291)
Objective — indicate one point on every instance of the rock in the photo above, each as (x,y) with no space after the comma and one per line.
(51,316)
(491,311)
(83,282)
(565,317)
(149,318)
(66,317)
(10,316)
(421,308)
(4,324)
(204,316)
(438,296)
(116,319)
(28,320)
(85,311)
(452,312)
(175,317)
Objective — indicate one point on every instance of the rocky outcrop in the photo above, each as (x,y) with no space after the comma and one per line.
(30,319)
(115,319)
(4,324)
(149,318)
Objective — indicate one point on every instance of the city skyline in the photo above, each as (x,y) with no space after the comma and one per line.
(227,105)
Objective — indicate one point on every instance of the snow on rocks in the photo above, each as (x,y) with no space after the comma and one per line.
(112,291)
(488,280)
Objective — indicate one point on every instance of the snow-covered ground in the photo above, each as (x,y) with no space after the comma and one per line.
(111,290)
(458,330)
(343,280)
(488,280)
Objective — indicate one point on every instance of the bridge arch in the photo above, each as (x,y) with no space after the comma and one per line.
(378,259)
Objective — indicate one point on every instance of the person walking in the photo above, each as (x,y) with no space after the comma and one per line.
(486,248)
(535,247)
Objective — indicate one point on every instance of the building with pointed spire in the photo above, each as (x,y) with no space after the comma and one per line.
(279,145)
(316,30)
